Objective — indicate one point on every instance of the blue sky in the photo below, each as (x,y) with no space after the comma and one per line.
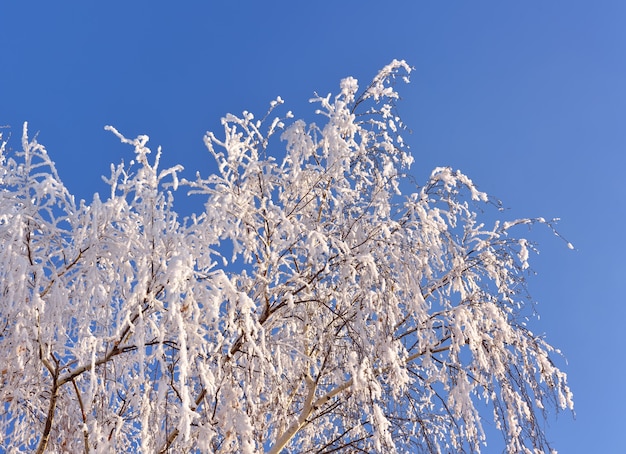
(527,98)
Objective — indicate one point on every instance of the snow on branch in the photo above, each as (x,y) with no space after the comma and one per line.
(309,304)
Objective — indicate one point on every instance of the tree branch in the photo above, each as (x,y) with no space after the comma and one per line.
(84,416)
(308,408)
(43,443)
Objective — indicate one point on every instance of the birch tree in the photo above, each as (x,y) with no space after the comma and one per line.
(318,301)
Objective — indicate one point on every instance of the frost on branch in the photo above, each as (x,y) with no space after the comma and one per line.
(309,306)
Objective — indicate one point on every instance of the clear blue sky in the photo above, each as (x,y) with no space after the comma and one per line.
(527,98)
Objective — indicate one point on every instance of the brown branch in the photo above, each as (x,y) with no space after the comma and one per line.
(43,443)
(84,416)
(176,432)
(115,350)
(64,271)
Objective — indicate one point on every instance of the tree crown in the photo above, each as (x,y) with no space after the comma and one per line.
(309,306)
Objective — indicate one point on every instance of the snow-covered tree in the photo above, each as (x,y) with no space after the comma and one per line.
(309,306)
